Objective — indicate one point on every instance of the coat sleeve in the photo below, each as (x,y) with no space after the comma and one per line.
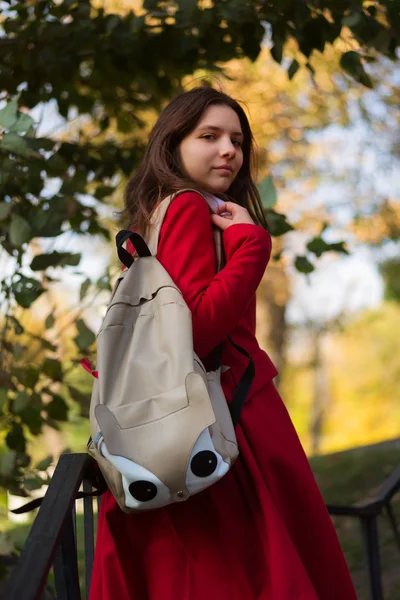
(186,250)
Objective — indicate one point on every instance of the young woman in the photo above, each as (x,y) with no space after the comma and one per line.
(262,532)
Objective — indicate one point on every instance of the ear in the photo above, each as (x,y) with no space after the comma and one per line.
(196,389)
(107,423)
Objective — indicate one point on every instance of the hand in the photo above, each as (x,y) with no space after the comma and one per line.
(236,214)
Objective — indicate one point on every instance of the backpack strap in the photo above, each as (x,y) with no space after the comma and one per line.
(157,220)
(243,387)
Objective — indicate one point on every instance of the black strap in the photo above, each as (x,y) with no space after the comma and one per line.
(99,483)
(138,243)
(218,350)
(218,357)
(244,385)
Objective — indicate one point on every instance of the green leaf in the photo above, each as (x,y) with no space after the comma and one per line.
(20,230)
(277,49)
(318,246)
(32,417)
(56,165)
(15,439)
(112,22)
(52,423)
(53,369)
(5,209)
(352,19)
(390,269)
(20,402)
(339,247)
(103,191)
(44,464)
(189,9)
(26,290)
(293,68)
(278,225)
(50,320)
(23,123)
(84,289)
(12,142)
(48,223)
(83,400)
(86,337)
(44,343)
(60,259)
(57,409)
(8,114)
(23,460)
(267,192)
(351,62)
(33,483)
(8,463)
(104,282)
(18,328)
(29,377)
(3,398)
(150,4)
(303,265)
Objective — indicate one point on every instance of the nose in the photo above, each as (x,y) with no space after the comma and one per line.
(227,149)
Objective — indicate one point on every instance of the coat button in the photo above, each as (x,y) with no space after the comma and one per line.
(180,494)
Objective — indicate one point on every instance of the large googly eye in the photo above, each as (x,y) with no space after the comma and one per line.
(206,466)
(143,490)
(204,463)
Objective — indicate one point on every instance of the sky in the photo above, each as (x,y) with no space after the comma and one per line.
(344,283)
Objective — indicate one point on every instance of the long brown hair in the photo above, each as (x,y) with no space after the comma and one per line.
(160,174)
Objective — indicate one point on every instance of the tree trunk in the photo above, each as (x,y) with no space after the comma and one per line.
(273,296)
(321,393)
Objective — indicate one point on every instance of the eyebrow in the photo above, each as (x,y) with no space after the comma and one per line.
(215,128)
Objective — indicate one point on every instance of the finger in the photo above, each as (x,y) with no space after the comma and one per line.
(220,208)
(226,207)
(221,222)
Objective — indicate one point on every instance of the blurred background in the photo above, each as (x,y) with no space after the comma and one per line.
(81,84)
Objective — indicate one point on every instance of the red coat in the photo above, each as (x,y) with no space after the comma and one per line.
(262,532)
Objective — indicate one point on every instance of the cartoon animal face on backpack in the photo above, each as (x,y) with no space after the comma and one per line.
(168,460)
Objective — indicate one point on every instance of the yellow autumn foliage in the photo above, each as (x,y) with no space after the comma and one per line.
(363,363)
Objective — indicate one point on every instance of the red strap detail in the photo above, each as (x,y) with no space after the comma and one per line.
(85,362)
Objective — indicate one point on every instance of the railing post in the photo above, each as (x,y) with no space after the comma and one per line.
(369,529)
(88,525)
(66,575)
(393,523)
(53,525)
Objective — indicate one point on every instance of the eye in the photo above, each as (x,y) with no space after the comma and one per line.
(144,491)
(208,136)
(237,143)
(204,463)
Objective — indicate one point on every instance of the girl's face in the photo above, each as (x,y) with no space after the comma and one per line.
(211,155)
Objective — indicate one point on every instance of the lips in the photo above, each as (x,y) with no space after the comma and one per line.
(224,168)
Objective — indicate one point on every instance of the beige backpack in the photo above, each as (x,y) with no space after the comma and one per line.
(161,429)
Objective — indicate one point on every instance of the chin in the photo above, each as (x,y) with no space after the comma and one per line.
(220,187)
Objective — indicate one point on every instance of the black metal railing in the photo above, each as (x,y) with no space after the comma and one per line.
(52,540)
(368,511)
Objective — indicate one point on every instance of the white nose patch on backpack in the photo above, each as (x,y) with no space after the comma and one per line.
(144,490)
